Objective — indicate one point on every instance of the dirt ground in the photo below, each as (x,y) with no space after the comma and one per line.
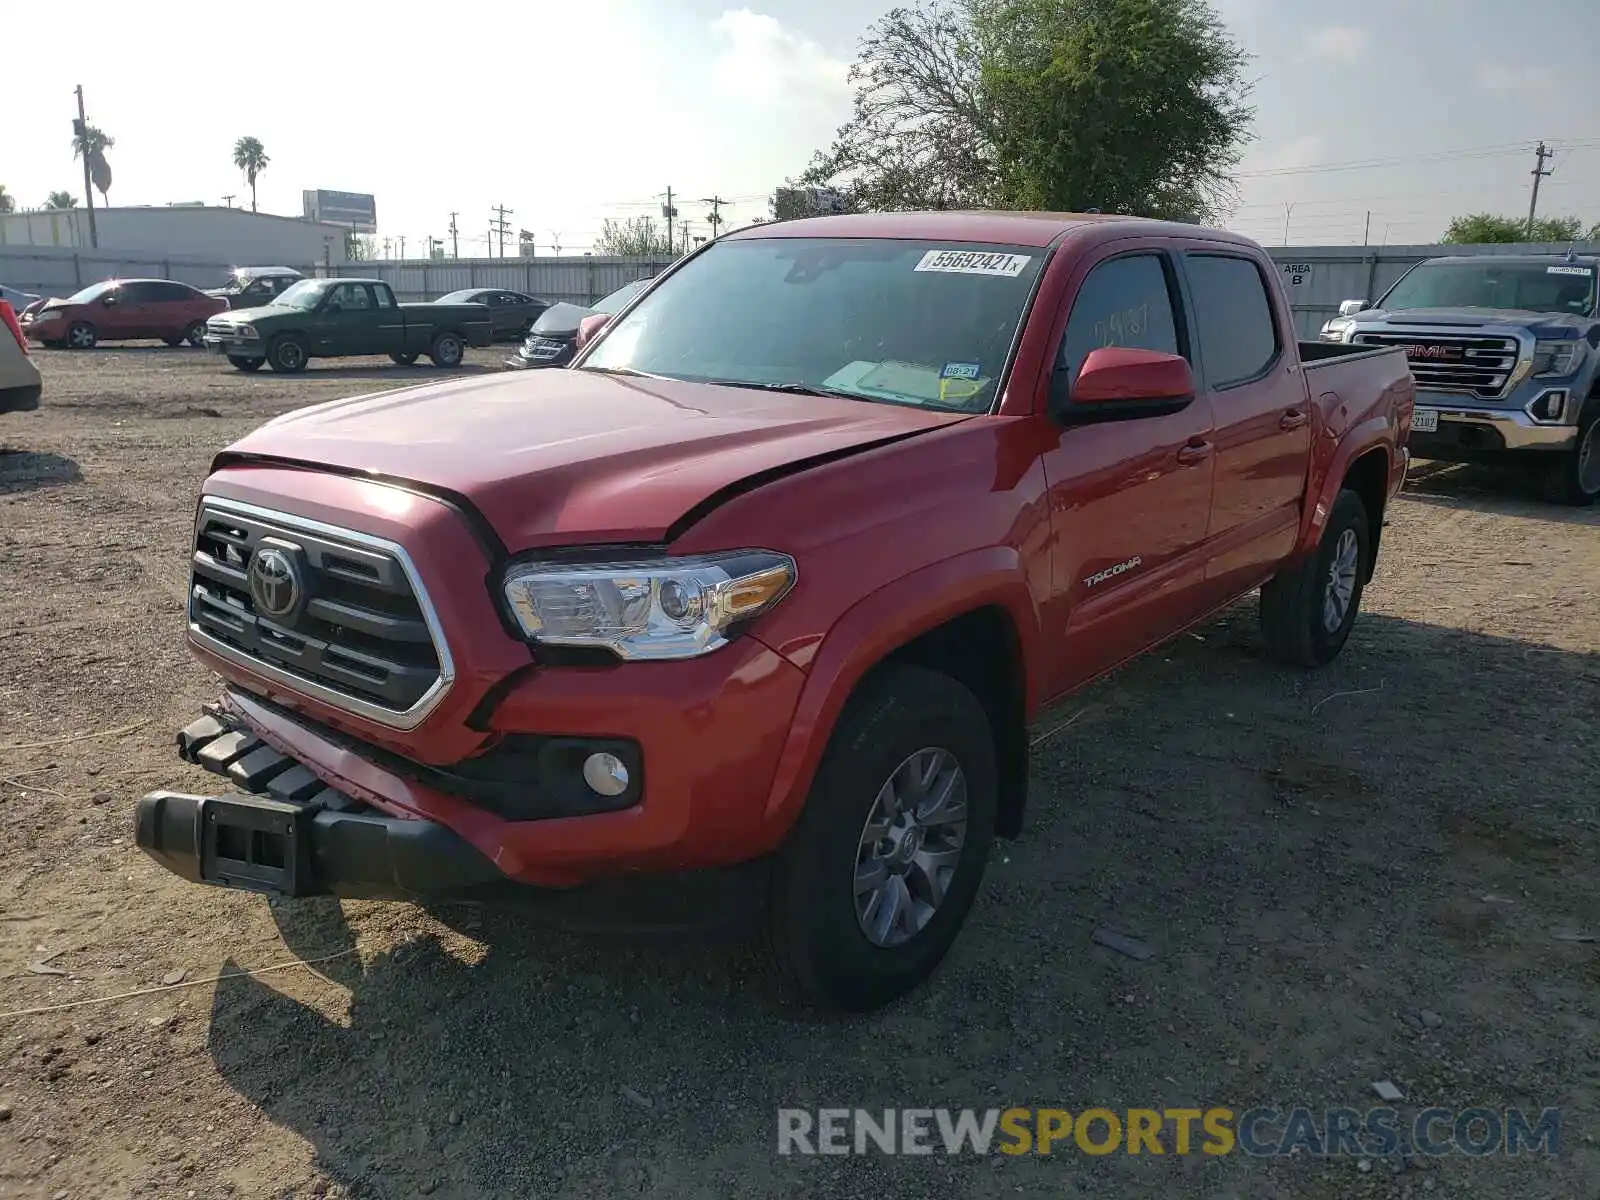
(1317,860)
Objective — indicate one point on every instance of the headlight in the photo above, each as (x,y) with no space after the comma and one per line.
(1336,330)
(1557,358)
(245,331)
(661,608)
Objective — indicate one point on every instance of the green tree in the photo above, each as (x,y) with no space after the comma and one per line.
(251,158)
(360,249)
(1486,228)
(1131,106)
(8,202)
(638,236)
(61,200)
(91,144)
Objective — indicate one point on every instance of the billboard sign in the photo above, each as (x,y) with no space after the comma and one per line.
(356,211)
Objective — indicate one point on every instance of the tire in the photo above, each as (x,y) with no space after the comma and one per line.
(447,350)
(1574,477)
(195,335)
(405,360)
(248,365)
(1301,614)
(901,719)
(81,336)
(287,354)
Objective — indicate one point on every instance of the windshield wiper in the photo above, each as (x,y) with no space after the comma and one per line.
(629,372)
(791,389)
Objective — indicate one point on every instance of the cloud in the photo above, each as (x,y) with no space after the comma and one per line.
(760,62)
(1338,43)
(1503,79)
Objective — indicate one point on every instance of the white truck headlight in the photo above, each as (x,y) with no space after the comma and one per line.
(660,608)
(1556,359)
(244,331)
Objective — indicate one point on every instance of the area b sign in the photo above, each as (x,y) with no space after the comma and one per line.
(1296,275)
(356,211)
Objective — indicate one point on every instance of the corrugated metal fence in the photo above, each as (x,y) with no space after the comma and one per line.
(53,271)
(579,279)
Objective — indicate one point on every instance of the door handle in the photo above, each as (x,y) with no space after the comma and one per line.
(1293,419)
(1193,453)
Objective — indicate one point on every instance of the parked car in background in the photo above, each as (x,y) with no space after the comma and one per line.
(20,385)
(1506,353)
(342,318)
(251,287)
(513,313)
(553,340)
(19,300)
(772,581)
(121,310)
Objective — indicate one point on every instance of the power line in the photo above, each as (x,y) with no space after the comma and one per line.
(1502,150)
(715,219)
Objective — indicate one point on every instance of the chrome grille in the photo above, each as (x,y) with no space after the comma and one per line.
(1451,362)
(357,633)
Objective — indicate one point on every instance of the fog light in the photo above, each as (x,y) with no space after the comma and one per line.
(605,774)
(1551,406)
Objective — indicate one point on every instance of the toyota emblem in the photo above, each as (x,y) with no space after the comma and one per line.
(274,582)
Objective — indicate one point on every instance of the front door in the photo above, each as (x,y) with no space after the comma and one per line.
(347,322)
(1129,500)
(1263,419)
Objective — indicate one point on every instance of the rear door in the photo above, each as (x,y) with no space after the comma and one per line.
(172,309)
(1129,499)
(1250,369)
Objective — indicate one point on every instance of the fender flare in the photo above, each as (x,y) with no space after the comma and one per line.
(875,627)
(1375,433)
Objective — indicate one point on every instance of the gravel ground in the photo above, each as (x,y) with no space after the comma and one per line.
(1316,860)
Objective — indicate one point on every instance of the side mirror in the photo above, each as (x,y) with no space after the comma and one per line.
(1120,384)
(589,327)
(1349,308)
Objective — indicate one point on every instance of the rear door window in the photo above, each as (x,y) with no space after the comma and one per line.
(1233,316)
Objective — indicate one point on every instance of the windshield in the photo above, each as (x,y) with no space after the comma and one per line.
(618,300)
(93,292)
(907,322)
(1524,287)
(467,297)
(306,294)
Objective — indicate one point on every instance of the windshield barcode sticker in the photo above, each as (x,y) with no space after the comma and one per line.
(974,262)
(1569,270)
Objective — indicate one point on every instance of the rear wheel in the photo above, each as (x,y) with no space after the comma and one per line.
(447,350)
(195,335)
(1307,612)
(81,336)
(287,354)
(1574,476)
(881,869)
(247,365)
(405,360)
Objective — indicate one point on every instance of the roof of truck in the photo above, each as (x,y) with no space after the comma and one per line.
(1012,228)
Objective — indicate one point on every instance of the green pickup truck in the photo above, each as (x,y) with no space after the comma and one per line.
(342,318)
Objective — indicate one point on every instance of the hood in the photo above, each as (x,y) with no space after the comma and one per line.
(244,316)
(561,320)
(222,293)
(578,457)
(1555,325)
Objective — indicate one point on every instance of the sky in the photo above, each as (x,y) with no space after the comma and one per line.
(574,113)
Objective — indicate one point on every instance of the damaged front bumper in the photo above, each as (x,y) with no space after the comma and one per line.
(280,830)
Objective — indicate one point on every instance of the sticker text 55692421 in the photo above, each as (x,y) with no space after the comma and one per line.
(974,262)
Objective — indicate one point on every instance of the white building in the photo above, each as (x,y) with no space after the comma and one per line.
(225,236)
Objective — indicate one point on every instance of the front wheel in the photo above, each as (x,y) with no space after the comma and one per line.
(287,354)
(247,365)
(881,869)
(195,335)
(1307,612)
(1574,477)
(82,336)
(447,351)
(405,360)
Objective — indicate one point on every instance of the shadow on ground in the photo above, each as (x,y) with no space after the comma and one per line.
(1312,857)
(26,470)
(1510,490)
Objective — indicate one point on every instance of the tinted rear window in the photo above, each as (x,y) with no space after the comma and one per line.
(1238,339)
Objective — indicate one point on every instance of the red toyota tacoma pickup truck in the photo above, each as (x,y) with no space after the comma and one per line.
(778,573)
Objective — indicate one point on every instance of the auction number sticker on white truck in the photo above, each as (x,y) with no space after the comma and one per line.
(974,262)
(1568,271)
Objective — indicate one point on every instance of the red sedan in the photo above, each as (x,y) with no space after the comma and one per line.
(124,310)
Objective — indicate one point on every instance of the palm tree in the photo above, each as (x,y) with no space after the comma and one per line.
(8,202)
(91,146)
(251,158)
(61,200)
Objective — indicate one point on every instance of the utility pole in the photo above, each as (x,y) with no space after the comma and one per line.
(501,226)
(81,127)
(1288,208)
(1366,232)
(715,219)
(228,200)
(555,241)
(683,229)
(669,214)
(402,245)
(455,237)
(386,247)
(1538,173)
